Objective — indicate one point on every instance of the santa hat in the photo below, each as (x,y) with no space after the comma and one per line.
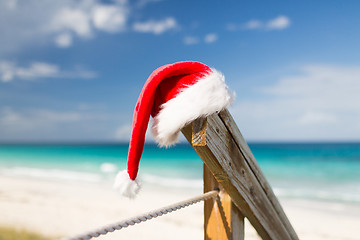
(174,95)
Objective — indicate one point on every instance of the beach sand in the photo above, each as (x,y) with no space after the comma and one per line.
(59,209)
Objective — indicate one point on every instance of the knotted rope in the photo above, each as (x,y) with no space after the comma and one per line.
(142,218)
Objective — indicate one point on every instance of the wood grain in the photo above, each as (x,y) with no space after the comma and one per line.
(198,136)
(249,157)
(222,219)
(231,162)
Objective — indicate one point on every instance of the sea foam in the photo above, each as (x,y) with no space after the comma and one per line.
(172,182)
(108,167)
(53,174)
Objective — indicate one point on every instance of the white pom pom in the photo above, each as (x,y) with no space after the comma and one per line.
(125,186)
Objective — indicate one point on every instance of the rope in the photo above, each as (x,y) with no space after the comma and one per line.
(142,218)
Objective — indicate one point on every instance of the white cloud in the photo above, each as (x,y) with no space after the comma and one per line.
(190,40)
(253,24)
(11,4)
(9,117)
(35,118)
(44,124)
(36,70)
(231,27)
(37,22)
(321,102)
(70,19)
(64,40)
(279,23)
(84,19)
(109,18)
(10,71)
(155,27)
(317,118)
(6,71)
(143,3)
(211,38)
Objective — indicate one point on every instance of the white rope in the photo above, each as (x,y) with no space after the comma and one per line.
(142,218)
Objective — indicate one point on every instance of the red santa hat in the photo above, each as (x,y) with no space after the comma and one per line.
(174,95)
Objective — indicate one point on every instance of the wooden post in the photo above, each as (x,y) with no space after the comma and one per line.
(222,219)
(229,159)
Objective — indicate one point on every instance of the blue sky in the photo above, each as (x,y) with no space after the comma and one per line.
(72,70)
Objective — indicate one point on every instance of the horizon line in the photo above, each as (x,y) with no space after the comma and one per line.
(2,143)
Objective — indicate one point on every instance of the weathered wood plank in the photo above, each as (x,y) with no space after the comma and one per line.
(198,135)
(225,160)
(249,157)
(222,219)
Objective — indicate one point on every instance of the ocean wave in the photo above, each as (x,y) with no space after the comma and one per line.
(108,167)
(54,174)
(321,195)
(106,172)
(347,193)
(172,182)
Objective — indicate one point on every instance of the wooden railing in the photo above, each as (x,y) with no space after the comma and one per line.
(230,166)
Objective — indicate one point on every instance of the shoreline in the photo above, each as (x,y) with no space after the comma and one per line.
(58,209)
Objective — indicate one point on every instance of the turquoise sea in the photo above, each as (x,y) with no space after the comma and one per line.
(315,171)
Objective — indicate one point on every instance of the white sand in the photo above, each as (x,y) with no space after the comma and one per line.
(60,209)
